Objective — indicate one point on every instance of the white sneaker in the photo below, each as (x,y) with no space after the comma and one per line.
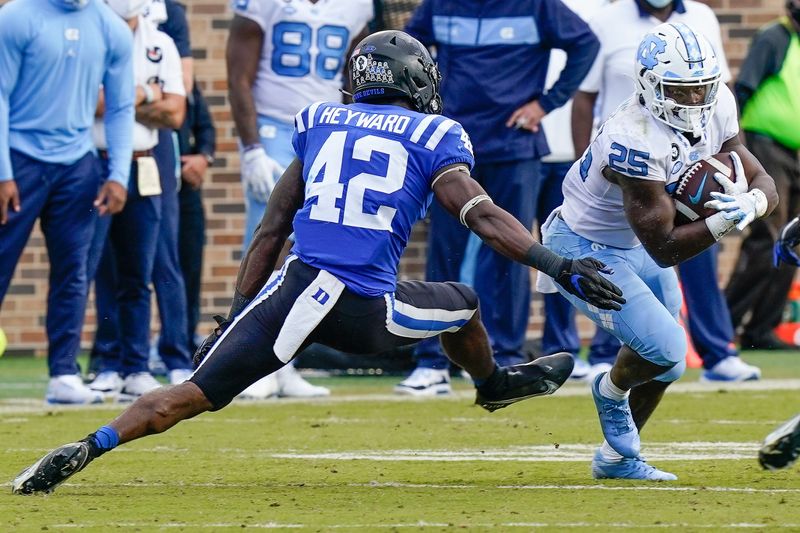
(425,382)
(136,385)
(595,370)
(179,375)
(262,389)
(732,368)
(108,382)
(69,389)
(580,370)
(292,385)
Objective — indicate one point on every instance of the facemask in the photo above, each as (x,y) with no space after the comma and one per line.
(659,4)
(72,5)
(128,9)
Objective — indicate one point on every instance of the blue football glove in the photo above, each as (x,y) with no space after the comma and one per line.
(784,249)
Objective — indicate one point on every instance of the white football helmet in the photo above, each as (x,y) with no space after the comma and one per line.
(677,77)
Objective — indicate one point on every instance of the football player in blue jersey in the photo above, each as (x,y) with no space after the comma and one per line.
(364,174)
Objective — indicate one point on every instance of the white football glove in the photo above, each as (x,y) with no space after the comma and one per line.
(737,203)
(260,173)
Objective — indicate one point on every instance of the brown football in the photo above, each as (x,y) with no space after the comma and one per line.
(695,186)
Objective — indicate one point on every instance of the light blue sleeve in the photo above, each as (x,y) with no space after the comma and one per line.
(120,91)
(14,36)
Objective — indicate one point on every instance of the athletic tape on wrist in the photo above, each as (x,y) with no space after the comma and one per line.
(719,226)
(760,200)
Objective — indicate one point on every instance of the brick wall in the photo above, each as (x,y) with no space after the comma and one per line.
(24,308)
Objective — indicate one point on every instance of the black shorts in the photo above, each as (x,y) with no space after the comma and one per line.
(304,305)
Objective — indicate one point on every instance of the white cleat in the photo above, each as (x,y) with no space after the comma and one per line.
(107,382)
(292,385)
(731,368)
(179,375)
(425,382)
(137,385)
(70,389)
(580,370)
(264,388)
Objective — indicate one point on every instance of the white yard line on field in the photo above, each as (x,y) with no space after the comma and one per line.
(419,524)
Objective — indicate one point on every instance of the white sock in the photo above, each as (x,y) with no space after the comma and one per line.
(608,453)
(611,391)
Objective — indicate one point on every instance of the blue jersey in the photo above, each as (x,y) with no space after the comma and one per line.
(493,55)
(368,171)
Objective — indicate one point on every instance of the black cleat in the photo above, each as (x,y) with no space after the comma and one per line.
(781,447)
(540,377)
(53,469)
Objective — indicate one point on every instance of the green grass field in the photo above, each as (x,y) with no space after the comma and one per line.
(364,460)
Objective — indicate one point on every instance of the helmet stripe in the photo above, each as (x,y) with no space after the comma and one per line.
(691,43)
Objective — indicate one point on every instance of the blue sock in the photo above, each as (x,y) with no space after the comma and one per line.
(105,438)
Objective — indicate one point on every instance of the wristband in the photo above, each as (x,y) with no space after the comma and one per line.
(719,226)
(469,205)
(760,200)
(250,147)
(546,261)
(240,301)
(149,95)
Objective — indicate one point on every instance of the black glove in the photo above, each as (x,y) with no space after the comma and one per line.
(208,343)
(581,277)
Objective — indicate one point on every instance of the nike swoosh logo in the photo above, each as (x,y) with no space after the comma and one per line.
(694,198)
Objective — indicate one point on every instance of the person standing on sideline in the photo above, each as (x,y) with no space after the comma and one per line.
(559,333)
(127,245)
(170,287)
(282,56)
(768,94)
(54,56)
(620,27)
(197,141)
(172,348)
(493,56)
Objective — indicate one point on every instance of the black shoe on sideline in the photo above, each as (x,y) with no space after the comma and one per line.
(514,383)
(53,469)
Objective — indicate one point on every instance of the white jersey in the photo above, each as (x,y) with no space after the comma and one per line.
(636,145)
(620,27)
(155,60)
(556,123)
(303,52)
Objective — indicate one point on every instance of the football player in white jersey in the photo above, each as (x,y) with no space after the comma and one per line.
(283,55)
(617,207)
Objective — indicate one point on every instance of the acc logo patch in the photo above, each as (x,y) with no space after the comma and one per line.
(72,34)
(155,54)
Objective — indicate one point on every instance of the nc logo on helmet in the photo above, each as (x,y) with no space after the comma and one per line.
(650,47)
